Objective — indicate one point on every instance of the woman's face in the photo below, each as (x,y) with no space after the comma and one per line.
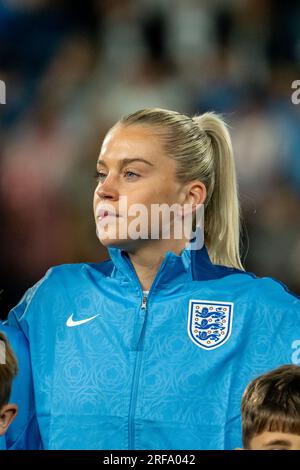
(133,168)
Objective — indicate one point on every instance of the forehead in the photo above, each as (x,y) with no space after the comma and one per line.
(132,141)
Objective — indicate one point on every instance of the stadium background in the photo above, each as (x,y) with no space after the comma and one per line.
(73,68)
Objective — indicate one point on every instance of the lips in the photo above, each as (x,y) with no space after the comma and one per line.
(103,213)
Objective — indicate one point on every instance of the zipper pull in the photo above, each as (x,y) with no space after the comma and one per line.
(144,302)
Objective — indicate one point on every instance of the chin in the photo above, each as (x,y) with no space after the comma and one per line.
(108,242)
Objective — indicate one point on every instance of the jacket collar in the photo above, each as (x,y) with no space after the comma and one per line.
(191,264)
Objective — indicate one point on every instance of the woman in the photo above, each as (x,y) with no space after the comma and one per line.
(116,368)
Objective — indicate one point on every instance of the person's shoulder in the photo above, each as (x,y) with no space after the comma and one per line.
(71,271)
(260,289)
(65,276)
(267,290)
(277,292)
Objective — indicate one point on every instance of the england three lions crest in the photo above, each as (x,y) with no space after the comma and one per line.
(210,323)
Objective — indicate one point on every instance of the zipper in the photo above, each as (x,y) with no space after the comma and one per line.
(138,361)
(136,376)
(144,303)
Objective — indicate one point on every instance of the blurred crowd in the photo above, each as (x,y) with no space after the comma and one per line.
(72,69)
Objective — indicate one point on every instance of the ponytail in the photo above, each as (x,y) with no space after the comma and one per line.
(222,212)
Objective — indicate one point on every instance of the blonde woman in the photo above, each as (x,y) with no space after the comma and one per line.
(153,348)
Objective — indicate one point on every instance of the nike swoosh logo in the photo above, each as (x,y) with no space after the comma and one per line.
(70,322)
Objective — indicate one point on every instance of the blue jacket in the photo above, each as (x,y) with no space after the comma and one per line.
(23,433)
(114,370)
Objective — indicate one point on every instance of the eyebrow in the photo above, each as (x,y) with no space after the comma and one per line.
(126,161)
(278,442)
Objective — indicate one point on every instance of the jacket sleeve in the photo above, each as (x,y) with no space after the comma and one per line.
(23,433)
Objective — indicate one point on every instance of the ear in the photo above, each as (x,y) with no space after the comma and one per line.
(193,196)
(194,193)
(7,415)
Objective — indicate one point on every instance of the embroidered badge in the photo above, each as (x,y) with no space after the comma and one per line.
(210,323)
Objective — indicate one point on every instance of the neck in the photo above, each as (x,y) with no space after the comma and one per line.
(147,259)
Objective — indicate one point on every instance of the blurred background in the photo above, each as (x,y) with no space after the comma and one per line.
(74,68)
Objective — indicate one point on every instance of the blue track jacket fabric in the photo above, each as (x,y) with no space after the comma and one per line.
(113,370)
(23,433)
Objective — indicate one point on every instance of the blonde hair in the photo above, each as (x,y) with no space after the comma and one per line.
(8,371)
(202,149)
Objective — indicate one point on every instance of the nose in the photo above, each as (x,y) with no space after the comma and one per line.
(107,189)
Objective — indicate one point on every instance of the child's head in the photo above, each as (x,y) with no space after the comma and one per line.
(271,410)
(8,370)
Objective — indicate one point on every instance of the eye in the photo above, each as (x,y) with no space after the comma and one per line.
(130,174)
(100,176)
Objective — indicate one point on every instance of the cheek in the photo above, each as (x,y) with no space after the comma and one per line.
(95,198)
(164,193)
